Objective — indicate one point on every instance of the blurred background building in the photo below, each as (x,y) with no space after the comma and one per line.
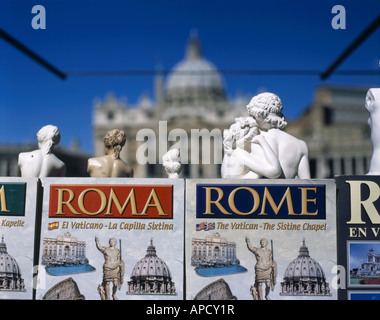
(335,128)
(74,158)
(191,108)
(193,96)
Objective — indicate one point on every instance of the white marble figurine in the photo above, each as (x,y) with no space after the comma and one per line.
(42,162)
(171,163)
(110,165)
(267,151)
(372,104)
(259,161)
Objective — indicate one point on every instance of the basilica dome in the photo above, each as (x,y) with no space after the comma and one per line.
(151,265)
(194,79)
(304,276)
(194,73)
(151,275)
(10,273)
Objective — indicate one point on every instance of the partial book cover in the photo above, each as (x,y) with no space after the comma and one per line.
(260,239)
(358,232)
(18,224)
(111,239)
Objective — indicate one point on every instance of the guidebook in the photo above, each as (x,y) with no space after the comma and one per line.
(358,231)
(111,238)
(260,239)
(18,222)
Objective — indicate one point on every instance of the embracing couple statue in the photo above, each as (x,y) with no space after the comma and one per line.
(257,147)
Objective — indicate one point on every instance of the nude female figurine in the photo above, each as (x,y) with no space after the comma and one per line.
(110,165)
(42,162)
(252,157)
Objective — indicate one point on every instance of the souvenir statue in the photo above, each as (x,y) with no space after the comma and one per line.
(262,148)
(372,104)
(252,164)
(110,165)
(42,162)
(266,109)
(171,163)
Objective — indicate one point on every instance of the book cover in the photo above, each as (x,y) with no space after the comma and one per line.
(260,239)
(106,238)
(358,231)
(18,218)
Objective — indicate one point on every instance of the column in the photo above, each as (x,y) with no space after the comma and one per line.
(337,167)
(359,166)
(348,166)
(3,167)
(14,170)
(322,168)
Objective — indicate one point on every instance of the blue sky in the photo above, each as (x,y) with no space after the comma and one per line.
(136,35)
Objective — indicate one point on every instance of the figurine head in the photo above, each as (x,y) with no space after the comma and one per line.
(244,129)
(373,96)
(47,137)
(266,108)
(114,141)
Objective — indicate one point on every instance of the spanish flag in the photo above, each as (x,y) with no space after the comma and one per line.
(53,225)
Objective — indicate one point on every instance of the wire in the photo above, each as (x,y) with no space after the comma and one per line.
(224,72)
(17,44)
(356,43)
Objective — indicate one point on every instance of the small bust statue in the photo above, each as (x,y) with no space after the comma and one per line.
(110,165)
(372,104)
(42,162)
(171,163)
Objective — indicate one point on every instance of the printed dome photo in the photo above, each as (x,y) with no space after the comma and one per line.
(304,276)
(10,273)
(151,275)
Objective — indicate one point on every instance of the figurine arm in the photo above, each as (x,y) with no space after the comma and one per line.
(45,168)
(269,166)
(303,167)
(227,141)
